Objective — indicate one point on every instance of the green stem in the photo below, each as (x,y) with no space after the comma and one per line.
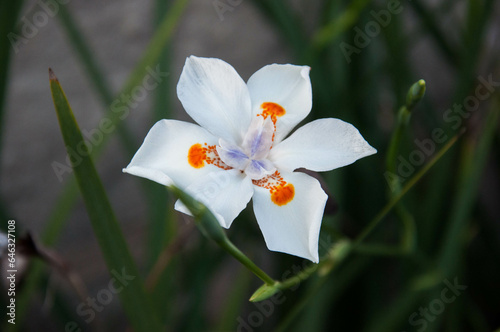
(227,245)
(380,216)
(403,117)
(210,227)
(299,277)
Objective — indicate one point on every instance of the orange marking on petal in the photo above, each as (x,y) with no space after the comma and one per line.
(272,109)
(198,155)
(214,159)
(283,195)
(281,192)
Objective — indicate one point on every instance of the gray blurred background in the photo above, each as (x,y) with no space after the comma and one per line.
(118,32)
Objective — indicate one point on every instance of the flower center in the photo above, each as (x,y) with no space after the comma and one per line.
(251,156)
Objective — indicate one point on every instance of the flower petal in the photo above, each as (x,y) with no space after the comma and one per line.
(257,169)
(288,86)
(163,157)
(225,193)
(232,155)
(216,97)
(259,138)
(292,227)
(321,145)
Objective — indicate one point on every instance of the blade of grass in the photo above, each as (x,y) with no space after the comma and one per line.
(234,302)
(341,280)
(439,37)
(472,41)
(466,196)
(452,248)
(337,26)
(94,73)
(286,21)
(106,228)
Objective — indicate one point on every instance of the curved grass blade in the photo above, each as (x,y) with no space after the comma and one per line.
(331,31)
(107,231)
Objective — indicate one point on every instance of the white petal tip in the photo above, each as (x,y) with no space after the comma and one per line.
(148,173)
(370,150)
(305,72)
(314,258)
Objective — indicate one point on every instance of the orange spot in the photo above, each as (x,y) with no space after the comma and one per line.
(272,109)
(283,195)
(197,156)
(281,192)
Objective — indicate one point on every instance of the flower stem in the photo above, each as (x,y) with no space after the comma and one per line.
(380,216)
(414,95)
(210,227)
(227,245)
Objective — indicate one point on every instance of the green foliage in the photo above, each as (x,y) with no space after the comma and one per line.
(101,215)
(411,222)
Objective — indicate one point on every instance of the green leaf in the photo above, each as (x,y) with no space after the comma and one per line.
(474,163)
(106,229)
(330,32)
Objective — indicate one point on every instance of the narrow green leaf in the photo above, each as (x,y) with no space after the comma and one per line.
(330,32)
(107,231)
(430,22)
(466,196)
(234,302)
(94,73)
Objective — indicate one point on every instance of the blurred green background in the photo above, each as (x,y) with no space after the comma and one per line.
(431,263)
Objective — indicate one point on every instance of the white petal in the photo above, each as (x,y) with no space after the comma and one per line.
(216,97)
(163,155)
(225,193)
(321,145)
(286,85)
(292,228)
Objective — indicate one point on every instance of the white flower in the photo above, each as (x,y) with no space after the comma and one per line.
(240,152)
